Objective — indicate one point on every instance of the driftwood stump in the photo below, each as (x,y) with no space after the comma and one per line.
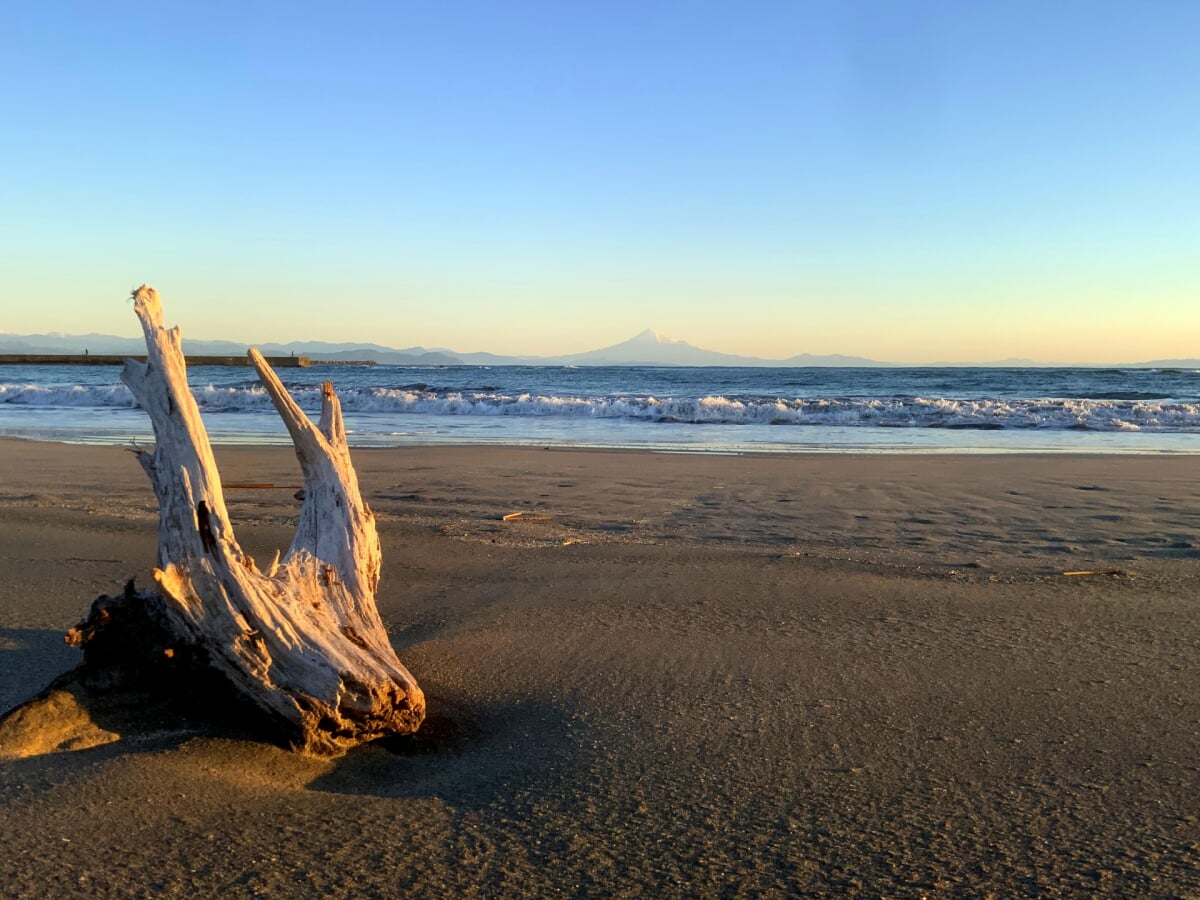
(301,641)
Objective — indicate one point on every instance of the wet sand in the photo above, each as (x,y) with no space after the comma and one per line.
(701,676)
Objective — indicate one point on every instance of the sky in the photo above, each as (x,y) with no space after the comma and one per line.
(901,180)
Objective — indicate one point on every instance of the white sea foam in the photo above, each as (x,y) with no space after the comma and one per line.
(73,395)
(894,412)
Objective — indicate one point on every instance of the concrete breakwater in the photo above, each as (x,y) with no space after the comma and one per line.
(99,359)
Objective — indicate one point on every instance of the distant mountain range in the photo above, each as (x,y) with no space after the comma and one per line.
(650,348)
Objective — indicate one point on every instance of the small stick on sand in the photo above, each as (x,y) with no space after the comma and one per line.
(263,486)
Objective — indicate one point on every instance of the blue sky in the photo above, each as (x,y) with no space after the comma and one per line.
(907,181)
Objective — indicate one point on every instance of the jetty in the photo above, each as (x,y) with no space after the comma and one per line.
(103,359)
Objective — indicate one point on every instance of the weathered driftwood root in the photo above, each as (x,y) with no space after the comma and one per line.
(301,641)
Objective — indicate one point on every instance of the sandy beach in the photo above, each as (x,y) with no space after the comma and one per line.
(688,676)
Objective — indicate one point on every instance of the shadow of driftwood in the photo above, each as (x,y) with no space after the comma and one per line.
(29,659)
(52,703)
(77,712)
(469,754)
(70,714)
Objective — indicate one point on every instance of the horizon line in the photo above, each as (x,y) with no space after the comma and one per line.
(663,340)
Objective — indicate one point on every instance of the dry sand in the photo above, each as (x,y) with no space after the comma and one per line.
(704,676)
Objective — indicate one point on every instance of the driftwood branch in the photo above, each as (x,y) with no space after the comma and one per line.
(301,641)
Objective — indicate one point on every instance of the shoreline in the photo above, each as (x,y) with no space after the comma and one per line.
(821,673)
(666,448)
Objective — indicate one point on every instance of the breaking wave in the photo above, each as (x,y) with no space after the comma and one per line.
(1132,413)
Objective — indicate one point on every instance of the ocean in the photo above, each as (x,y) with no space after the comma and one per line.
(702,409)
